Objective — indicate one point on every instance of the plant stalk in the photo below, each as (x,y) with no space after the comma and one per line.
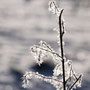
(61,47)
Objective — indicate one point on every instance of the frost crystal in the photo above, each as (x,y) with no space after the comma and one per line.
(38,54)
(41,51)
(58,70)
(53,7)
(54,81)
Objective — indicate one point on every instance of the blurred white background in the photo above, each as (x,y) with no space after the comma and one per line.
(26,22)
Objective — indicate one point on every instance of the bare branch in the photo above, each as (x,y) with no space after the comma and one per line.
(75,82)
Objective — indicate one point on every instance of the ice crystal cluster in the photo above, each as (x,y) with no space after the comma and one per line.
(41,51)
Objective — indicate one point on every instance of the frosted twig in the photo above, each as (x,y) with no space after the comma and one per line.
(49,51)
(30,75)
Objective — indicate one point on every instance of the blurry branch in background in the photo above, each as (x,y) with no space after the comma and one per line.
(64,77)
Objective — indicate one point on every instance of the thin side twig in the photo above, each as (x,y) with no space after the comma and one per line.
(39,76)
(75,82)
(49,51)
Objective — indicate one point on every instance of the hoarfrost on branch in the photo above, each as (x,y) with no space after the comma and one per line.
(43,50)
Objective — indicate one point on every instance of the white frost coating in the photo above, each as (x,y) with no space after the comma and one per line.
(38,54)
(56,30)
(68,65)
(54,81)
(45,45)
(57,70)
(42,50)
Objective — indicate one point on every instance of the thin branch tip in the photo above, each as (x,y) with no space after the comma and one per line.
(61,13)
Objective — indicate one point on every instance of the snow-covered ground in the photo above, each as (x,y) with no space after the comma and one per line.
(26,22)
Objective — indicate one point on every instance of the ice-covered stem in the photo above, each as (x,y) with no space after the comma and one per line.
(61,47)
(53,52)
(27,77)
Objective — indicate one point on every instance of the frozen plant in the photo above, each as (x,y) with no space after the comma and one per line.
(64,77)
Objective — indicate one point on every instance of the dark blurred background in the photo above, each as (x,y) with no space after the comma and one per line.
(26,22)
